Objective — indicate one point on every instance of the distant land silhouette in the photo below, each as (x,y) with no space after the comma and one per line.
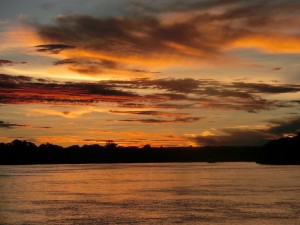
(282,151)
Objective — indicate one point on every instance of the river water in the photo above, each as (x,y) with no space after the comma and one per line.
(160,193)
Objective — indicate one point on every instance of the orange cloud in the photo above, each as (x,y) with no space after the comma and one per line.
(201,33)
(19,35)
(270,43)
(165,94)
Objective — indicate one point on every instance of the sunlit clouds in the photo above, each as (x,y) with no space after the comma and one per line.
(171,73)
(202,36)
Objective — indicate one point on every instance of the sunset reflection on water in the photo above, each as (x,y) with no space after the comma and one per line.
(169,193)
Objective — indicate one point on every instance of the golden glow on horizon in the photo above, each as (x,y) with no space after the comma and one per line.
(122,140)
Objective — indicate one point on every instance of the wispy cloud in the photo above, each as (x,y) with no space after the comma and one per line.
(267,88)
(176,120)
(11,125)
(5,62)
(92,66)
(166,93)
(21,89)
(150,113)
(53,48)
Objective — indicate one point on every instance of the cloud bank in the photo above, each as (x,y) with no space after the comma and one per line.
(165,93)
(164,32)
(251,137)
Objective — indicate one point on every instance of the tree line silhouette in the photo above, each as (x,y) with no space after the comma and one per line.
(282,151)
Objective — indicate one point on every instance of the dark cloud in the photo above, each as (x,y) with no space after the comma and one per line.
(150,113)
(109,35)
(88,66)
(234,137)
(225,92)
(176,86)
(176,120)
(11,125)
(53,48)
(252,137)
(167,93)
(4,78)
(135,36)
(211,94)
(65,62)
(144,71)
(21,89)
(7,81)
(132,105)
(267,88)
(204,33)
(174,106)
(170,96)
(45,127)
(209,87)
(79,61)
(186,85)
(289,126)
(96,66)
(5,62)
(250,105)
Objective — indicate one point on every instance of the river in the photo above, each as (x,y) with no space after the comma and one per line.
(156,193)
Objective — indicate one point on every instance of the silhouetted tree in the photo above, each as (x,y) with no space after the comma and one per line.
(146,147)
(73,148)
(22,145)
(111,145)
(49,146)
(282,151)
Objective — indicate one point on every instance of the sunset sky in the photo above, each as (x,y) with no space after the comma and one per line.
(165,73)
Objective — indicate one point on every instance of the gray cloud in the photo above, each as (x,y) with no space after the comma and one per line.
(176,120)
(234,137)
(291,125)
(252,137)
(205,32)
(22,89)
(11,125)
(267,88)
(5,62)
(167,93)
(98,66)
(150,113)
(53,48)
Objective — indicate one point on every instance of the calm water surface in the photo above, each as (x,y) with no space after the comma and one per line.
(167,193)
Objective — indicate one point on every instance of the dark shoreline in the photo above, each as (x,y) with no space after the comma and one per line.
(129,155)
(284,151)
